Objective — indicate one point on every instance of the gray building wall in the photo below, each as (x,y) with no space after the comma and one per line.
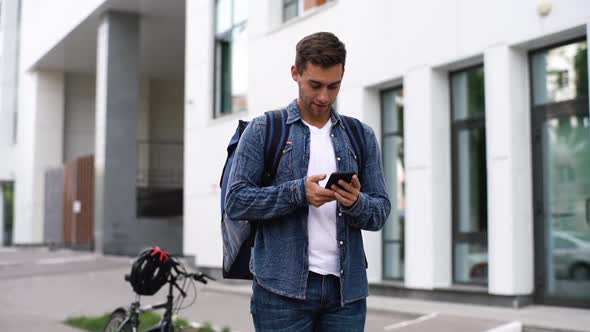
(163,232)
(54,206)
(79,117)
(166,133)
(160,119)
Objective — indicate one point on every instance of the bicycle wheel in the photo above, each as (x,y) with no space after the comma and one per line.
(115,322)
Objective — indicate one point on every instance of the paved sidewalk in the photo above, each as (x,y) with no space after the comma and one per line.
(533,318)
(539,317)
(40,288)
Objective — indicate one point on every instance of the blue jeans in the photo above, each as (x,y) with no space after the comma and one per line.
(320,311)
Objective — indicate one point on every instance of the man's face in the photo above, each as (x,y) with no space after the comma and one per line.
(318,87)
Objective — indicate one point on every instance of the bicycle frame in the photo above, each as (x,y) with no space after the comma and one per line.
(134,311)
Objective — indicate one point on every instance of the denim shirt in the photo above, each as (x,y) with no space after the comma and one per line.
(279,259)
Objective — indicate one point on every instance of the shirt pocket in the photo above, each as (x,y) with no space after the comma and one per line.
(285,168)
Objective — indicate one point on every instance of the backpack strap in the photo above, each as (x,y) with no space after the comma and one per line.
(233,144)
(277,133)
(355,131)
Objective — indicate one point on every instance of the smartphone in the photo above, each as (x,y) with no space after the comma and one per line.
(334,177)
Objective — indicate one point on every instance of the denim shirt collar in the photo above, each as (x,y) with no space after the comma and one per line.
(293,114)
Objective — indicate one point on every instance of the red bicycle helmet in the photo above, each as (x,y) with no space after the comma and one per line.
(150,271)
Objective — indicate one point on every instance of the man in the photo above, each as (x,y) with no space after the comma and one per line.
(308,258)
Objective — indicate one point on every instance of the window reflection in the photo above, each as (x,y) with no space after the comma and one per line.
(566,150)
(562,152)
(470,213)
(471,263)
(231,58)
(393,165)
(472,180)
(239,61)
(560,73)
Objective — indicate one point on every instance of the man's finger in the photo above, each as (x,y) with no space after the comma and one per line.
(343,192)
(347,186)
(343,200)
(324,192)
(356,182)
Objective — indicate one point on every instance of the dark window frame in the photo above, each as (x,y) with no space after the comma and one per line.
(399,132)
(538,114)
(223,39)
(457,126)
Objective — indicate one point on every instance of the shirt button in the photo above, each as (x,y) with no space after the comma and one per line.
(339,214)
(341,271)
(338,158)
(341,243)
(332,135)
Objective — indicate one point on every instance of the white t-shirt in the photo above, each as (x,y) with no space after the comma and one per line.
(324,256)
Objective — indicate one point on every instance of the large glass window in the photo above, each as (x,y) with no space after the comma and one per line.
(231,57)
(470,214)
(561,155)
(393,165)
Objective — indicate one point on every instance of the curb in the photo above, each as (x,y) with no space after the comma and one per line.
(510,327)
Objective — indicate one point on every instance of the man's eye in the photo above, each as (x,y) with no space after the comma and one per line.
(333,87)
(315,86)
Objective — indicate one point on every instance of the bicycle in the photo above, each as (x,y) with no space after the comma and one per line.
(127,319)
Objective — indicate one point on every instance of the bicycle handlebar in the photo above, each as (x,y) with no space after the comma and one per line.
(201,277)
(198,276)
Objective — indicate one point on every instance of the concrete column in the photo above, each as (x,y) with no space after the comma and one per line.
(41,118)
(199,239)
(117,105)
(510,218)
(428,192)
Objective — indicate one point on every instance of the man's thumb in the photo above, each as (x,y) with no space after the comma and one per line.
(316,178)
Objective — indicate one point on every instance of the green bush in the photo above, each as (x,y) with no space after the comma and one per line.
(146,320)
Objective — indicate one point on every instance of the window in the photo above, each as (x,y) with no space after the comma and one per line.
(6,212)
(291,9)
(392,115)
(560,73)
(231,57)
(561,243)
(470,215)
(560,125)
(294,8)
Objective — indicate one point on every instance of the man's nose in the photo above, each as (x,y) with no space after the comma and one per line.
(323,96)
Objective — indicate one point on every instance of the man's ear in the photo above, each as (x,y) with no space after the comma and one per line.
(294,73)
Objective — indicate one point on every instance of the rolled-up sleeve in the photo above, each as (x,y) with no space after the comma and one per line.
(246,199)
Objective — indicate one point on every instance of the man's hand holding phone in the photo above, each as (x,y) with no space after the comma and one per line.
(346,187)
(316,195)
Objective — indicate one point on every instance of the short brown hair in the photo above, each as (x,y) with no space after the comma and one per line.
(321,48)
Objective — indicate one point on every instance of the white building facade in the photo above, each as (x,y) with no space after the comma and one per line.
(481,108)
